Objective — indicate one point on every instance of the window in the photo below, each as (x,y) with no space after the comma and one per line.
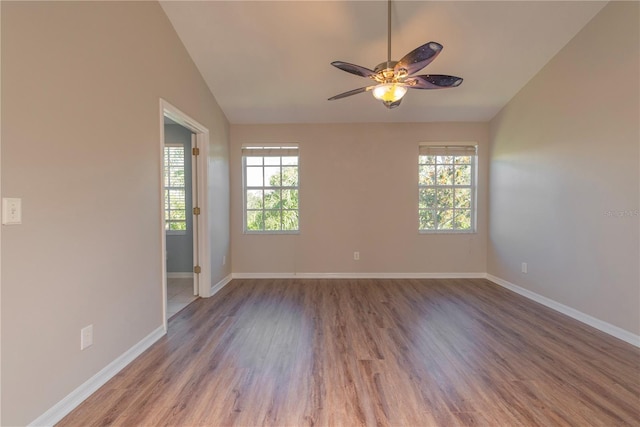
(174,189)
(446,188)
(270,177)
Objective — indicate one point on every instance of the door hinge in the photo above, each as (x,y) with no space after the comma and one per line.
(195,151)
(197,269)
(196,211)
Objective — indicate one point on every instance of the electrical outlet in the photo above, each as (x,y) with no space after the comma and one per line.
(356,255)
(224,259)
(86,337)
(524,267)
(11,211)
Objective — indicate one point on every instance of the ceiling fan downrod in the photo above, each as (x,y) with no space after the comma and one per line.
(388,33)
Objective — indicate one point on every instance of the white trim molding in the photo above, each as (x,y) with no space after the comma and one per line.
(221,284)
(77,396)
(603,326)
(359,275)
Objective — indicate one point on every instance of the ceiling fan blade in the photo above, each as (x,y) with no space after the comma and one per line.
(418,58)
(433,81)
(354,69)
(351,92)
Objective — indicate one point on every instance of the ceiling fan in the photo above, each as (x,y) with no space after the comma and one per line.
(393,78)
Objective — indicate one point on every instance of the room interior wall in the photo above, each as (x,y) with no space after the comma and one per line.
(358,192)
(564,180)
(180,244)
(81,84)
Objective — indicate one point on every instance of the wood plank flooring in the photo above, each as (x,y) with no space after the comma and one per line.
(455,352)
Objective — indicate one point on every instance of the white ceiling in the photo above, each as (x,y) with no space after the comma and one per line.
(269,61)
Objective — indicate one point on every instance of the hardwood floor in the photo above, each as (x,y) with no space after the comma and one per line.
(372,352)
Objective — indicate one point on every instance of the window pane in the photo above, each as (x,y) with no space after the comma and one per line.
(177,215)
(427,198)
(254,177)
(293,160)
(442,160)
(254,199)
(177,226)
(272,176)
(272,199)
(463,175)
(289,199)
(445,175)
(272,161)
(427,219)
(445,219)
(427,175)
(462,220)
(460,160)
(290,177)
(253,161)
(445,198)
(255,220)
(272,220)
(463,198)
(427,160)
(176,199)
(290,220)
(176,177)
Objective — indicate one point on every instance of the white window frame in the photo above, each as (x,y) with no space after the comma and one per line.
(168,197)
(462,149)
(268,150)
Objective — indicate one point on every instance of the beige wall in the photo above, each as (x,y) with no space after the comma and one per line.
(565,176)
(81,83)
(358,192)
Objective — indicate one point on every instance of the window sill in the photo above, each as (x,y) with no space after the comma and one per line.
(447,232)
(176,232)
(272,232)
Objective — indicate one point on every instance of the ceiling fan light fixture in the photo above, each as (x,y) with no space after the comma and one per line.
(389,92)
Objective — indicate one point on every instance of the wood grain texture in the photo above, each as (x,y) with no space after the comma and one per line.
(455,352)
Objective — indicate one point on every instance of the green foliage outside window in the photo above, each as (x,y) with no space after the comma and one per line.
(271,194)
(445,193)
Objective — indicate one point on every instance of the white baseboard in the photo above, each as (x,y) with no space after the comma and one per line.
(77,396)
(180,275)
(359,275)
(605,327)
(221,284)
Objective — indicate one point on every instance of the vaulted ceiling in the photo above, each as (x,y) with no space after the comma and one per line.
(269,61)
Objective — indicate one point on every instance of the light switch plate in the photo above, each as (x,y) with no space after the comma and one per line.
(11,211)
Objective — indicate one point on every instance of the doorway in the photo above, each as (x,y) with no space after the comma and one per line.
(180,198)
(184,147)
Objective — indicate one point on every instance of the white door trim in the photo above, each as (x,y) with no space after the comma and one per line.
(202,141)
(195,202)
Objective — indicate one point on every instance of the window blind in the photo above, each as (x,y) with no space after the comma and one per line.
(270,151)
(447,150)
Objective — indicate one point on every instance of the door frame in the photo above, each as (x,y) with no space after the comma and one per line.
(201,180)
